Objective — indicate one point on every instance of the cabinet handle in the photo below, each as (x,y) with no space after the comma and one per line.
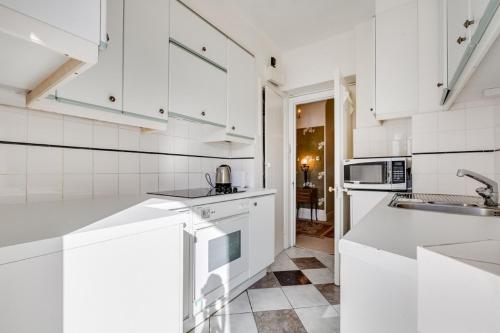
(161,111)
(203,113)
(461,39)
(440,84)
(204,49)
(468,23)
(112,99)
(371,109)
(233,128)
(255,204)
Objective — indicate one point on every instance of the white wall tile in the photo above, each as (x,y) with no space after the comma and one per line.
(481,139)
(181,164)
(149,183)
(451,184)
(497,162)
(129,184)
(77,161)
(480,118)
(425,123)
(452,141)
(12,159)
(128,138)
(105,135)
(44,187)
(77,132)
(128,163)
(195,180)
(425,183)
(178,127)
(448,164)
(180,145)
(12,189)
(43,160)
(452,120)
(149,163)
(77,186)
(483,163)
(166,181)
(149,142)
(181,181)
(165,144)
(106,185)
(13,124)
(425,164)
(45,127)
(194,164)
(105,162)
(166,163)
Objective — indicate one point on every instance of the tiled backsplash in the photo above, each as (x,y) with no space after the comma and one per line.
(112,161)
(378,141)
(446,141)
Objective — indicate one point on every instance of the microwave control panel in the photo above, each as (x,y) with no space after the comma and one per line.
(398,172)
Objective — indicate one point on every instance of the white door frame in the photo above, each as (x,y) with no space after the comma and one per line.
(290,228)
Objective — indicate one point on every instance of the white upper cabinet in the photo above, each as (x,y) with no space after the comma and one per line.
(365,74)
(80,18)
(431,71)
(189,29)
(457,12)
(397,61)
(241,92)
(102,84)
(146,51)
(197,89)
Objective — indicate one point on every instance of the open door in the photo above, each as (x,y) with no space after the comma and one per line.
(343,105)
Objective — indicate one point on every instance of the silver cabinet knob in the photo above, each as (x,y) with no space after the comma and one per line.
(255,204)
(203,113)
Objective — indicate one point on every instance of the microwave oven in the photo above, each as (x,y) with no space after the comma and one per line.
(384,174)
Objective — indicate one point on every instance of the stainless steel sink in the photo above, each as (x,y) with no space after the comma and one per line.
(452,204)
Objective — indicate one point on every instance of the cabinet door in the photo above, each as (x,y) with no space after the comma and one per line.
(146,48)
(197,88)
(397,62)
(241,92)
(102,84)
(365,74)
(31,295)
(362,202)
(457,12)
(191,30)
(431,75)
(477,9)
(261,233)
(81,18)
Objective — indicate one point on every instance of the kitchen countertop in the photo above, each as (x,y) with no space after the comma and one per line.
(43,227)
(401,231)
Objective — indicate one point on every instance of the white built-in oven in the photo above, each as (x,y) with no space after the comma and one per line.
(385,174)
(221,238)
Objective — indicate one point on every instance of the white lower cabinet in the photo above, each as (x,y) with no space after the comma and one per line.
(362,202)
(128,285)
(261,233)
(197,88)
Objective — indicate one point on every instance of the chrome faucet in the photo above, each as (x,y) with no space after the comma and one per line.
(489,193)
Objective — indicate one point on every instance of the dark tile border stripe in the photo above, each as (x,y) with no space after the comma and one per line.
(31,144)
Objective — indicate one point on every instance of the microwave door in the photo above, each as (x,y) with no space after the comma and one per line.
(370,175)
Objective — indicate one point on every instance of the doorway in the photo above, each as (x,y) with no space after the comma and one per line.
(314,151)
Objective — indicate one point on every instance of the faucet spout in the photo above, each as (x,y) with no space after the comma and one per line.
(489,193)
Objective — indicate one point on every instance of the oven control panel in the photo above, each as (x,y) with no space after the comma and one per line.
(220,210)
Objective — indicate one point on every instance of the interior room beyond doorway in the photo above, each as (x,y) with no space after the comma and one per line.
(314,175)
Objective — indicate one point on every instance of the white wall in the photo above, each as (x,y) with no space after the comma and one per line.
(312,115)
(316,63)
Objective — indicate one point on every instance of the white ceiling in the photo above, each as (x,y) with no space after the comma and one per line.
(294,23)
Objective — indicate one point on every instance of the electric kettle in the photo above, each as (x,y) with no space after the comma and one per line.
(223,177)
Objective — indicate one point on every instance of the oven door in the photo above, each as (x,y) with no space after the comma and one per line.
(368,174)
(221,254)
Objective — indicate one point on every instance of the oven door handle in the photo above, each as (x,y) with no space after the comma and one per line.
(214,223)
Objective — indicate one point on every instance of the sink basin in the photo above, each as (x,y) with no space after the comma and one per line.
(452,204)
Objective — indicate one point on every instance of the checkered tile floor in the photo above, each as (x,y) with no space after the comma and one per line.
(297,296)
